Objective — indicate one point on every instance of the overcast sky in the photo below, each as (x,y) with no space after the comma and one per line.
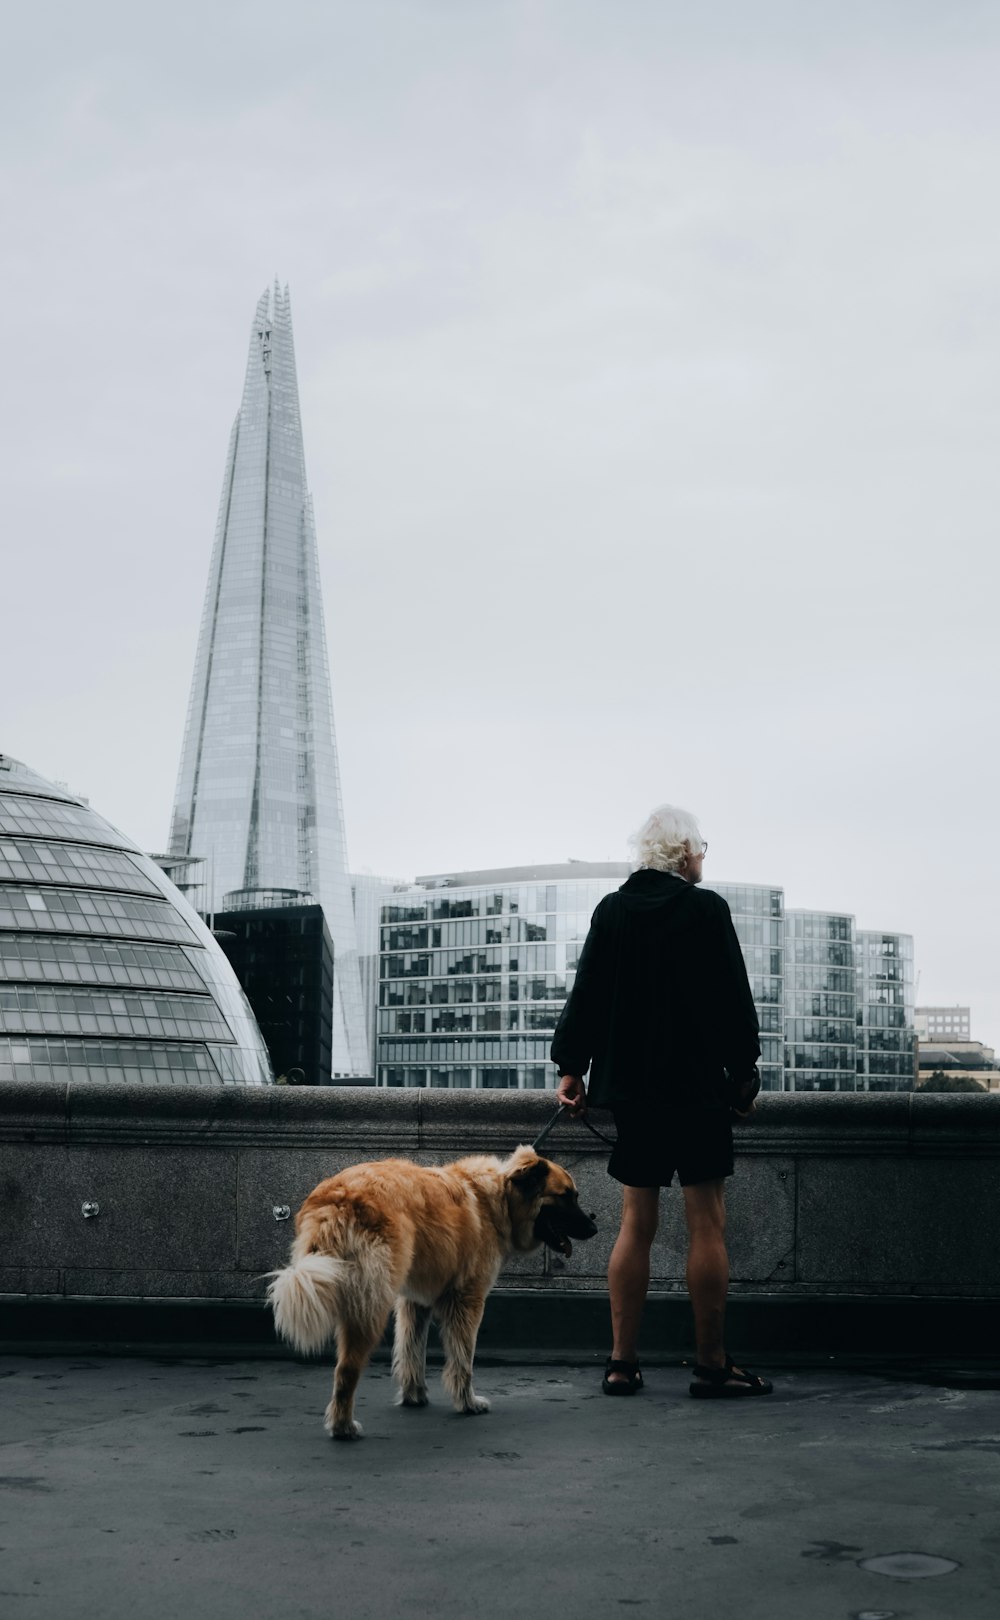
(648,356)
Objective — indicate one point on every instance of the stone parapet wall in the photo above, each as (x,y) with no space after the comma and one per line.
(863,1196)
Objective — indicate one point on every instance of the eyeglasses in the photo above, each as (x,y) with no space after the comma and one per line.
(704,848)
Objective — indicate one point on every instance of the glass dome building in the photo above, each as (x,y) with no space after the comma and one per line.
(106,973)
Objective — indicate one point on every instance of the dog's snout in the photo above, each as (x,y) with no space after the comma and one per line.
(585,1227)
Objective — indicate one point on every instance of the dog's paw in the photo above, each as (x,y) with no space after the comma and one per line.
(412,1397)
(345,1431)
(474,1405)
(341,1428)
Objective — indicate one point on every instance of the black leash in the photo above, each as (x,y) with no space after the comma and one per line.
(563,1109)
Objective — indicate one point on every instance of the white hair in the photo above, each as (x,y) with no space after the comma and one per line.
(666,838)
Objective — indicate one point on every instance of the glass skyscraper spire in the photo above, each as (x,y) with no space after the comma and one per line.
(258,792)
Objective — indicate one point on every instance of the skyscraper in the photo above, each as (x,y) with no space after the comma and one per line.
(258,791)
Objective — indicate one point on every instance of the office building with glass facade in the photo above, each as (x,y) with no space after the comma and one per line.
(106,973)
(475,967)
(258,791)
(886,1038)
(820,1001)
(758,914)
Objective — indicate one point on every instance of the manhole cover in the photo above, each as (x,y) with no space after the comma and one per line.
(908,1566)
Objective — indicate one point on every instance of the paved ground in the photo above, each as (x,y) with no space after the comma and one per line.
(191,1489)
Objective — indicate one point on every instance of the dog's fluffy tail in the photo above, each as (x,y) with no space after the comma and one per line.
(308,1299)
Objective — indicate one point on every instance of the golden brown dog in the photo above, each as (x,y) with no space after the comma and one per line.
(429,1241)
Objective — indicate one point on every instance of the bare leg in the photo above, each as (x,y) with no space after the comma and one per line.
(409,1352)
(708,1269)
(628,1271)
(459,1317)
(708,1282)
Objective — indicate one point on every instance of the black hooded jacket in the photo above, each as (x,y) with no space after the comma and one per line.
(661,1007)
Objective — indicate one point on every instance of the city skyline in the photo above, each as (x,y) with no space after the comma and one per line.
(647,363)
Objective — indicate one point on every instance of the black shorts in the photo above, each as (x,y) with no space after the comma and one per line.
(653,1143)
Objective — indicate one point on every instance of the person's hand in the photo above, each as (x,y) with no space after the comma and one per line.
(744,1097)
(572,1093)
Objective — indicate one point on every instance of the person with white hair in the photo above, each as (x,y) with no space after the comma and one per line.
(662,1015)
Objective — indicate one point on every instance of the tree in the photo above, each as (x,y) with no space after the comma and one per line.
(939,1081)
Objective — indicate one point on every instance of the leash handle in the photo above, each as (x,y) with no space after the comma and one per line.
(563,1109)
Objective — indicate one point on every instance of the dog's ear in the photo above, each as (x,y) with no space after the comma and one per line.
(529,1179)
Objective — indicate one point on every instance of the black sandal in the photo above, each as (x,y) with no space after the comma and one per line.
(728,1383)
(629,1384)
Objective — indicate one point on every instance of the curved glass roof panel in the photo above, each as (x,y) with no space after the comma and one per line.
(16,777)
(24,860)
(33,1009)
(59,960)
(77,911)
(49,818)
(234,1063)
(141,1062)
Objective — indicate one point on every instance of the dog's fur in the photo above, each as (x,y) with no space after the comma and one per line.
(429,1241)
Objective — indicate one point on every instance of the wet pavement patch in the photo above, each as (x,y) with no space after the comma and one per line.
(830,1549)
(908,1566)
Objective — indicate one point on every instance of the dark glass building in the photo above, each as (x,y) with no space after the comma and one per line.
(282,954)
